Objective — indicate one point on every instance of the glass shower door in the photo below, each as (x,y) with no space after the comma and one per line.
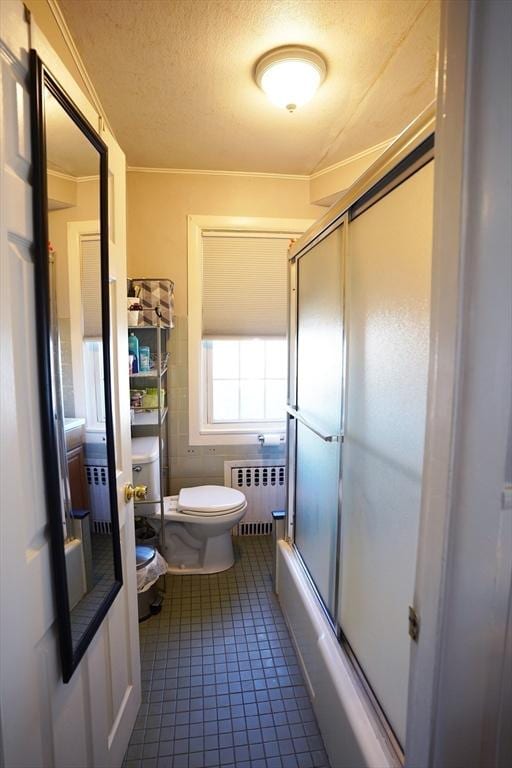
(318,411)
(388,284)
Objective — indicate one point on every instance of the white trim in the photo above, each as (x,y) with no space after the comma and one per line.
(69,177)
(246,233)
(82,179)
(60,175)
(247,223)
(204,172)
(380,147)
(196,223)
(75,55)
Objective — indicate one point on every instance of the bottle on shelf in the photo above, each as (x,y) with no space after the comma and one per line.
(144,358)
(133,349)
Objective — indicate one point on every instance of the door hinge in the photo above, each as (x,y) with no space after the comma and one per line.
(414,624)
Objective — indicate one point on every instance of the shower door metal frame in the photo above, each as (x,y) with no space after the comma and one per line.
(294,416)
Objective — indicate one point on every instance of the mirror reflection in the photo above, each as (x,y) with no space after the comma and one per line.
(73,184)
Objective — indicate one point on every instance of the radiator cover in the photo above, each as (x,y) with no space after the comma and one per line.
(263,482)
(99,498)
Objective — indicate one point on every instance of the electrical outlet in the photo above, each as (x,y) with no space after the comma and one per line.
(211,450)
(191,451)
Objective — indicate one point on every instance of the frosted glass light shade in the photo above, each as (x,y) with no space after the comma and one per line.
(290,76)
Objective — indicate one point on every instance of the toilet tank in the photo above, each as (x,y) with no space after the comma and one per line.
(146,471)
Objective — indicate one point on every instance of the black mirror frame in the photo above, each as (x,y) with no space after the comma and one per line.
(40,78)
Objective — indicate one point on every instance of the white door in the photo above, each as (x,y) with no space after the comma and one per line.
(42,721)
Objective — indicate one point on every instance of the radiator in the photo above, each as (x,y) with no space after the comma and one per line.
(263,482)
(99,499)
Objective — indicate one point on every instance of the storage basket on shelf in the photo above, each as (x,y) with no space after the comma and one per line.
(150,397)
(155,292)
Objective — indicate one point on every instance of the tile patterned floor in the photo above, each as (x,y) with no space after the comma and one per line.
(103,577)
(221,685)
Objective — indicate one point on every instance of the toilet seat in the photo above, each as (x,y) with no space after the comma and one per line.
(207,500)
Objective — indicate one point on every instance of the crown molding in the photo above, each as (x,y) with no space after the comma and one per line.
(70,43)
(358,156)
(201,172)
(69,177)
(60,175)
(81,179)
(259,175)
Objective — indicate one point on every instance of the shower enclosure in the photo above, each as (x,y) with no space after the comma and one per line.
(359,341)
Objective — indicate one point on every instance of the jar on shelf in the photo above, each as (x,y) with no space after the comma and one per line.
(134,310)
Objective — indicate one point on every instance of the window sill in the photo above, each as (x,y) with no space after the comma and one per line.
(233,437)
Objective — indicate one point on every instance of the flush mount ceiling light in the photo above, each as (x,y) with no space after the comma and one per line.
(291,75)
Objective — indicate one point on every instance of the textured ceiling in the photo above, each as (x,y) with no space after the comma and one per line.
(176,77)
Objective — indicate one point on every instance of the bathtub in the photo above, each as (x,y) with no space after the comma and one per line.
(353,735)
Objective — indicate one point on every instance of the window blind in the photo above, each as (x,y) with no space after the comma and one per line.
(90,283)
(244,284)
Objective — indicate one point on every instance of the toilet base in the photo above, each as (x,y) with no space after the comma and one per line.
(185,556)
(197,543)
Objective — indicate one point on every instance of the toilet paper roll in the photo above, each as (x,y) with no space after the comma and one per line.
(271,439)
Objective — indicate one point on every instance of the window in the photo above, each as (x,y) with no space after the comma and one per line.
(91,330)
(237,298)
(245,381)
(95,385)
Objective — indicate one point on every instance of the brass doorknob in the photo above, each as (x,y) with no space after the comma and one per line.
(138,492)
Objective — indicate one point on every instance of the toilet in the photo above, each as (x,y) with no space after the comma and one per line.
(198,525)
(198,521)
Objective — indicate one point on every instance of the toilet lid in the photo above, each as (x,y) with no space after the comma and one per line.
(214,499)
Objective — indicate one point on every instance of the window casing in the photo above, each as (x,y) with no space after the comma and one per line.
(241,326)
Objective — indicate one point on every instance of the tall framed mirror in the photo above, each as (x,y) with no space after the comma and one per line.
(70,181)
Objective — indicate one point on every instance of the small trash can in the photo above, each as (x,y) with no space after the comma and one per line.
(149,601)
